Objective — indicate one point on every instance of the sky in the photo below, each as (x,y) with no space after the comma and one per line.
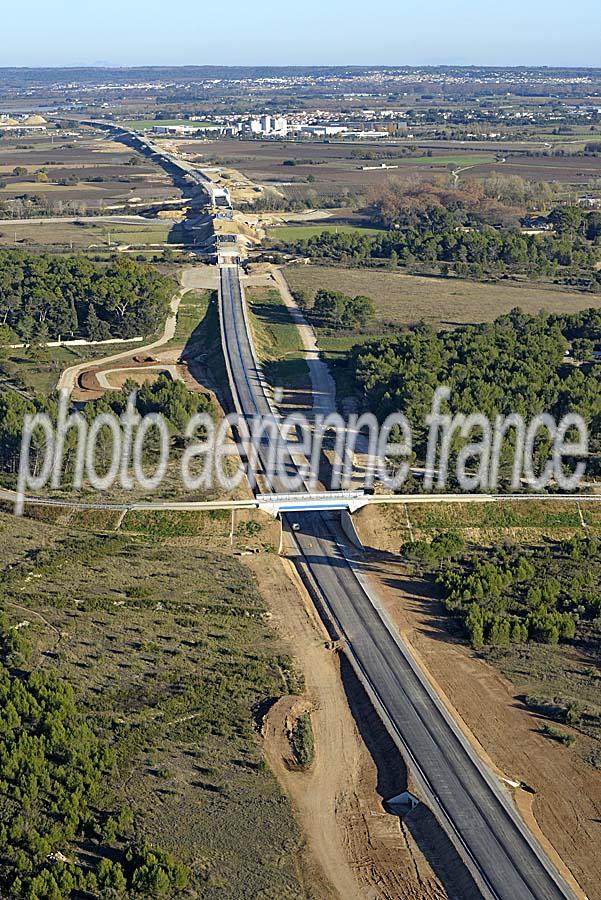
(300,32)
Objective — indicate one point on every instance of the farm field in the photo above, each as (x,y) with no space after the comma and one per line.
(335,167)
(467,159)
(564,169)
(169,652)
(485,522)
(338,167)
(402,300)
(98,172)
(441,302)
(82,235)
(147,124)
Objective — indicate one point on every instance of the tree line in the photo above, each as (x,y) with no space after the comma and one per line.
(438,241)
(338,310)
(516,364)
(170,398)
(44,297)
(506,596)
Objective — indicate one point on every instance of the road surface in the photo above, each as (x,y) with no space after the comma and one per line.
(503,857)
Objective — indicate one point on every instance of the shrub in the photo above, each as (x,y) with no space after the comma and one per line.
(302,741)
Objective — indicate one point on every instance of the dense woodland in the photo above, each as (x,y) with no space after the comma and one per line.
(511,594)
(44,297)
(170,398)
(516,364)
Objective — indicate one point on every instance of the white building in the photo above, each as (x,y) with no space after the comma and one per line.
(270,125)
(323,130)
(184,129)
(280,126)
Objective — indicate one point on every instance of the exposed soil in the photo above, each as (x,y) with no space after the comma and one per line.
(565,808)
(363,850)
(141,369)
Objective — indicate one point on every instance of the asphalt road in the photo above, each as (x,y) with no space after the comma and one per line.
(477,812)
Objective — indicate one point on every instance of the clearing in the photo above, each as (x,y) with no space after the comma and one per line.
(291,233)
(441,302)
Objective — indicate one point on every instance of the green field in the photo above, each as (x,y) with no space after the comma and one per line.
(192,310)
(38,368)
(442,302)
(402,300)
(278,340)
(83,235)
(460,160)
(138,235)
(291,233)
(546,516)
(485,524)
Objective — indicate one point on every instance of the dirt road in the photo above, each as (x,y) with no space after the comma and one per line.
(191,278)
(364,852)
(69,377)
(322,383)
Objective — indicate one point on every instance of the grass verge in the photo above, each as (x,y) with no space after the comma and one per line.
(278,340)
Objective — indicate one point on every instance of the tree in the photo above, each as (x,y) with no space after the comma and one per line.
(525,570)
(156,873)
(111,879)
(582,349)
(448,544)
(567,220)
(328,305)
(6,339)
(96,329)
(129,298)
(593,226)
(362,310)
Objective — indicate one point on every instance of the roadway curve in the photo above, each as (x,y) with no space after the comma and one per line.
(69,377)
(479,816)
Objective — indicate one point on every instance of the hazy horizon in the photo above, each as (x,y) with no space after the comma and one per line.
(321,65)
(312,34)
